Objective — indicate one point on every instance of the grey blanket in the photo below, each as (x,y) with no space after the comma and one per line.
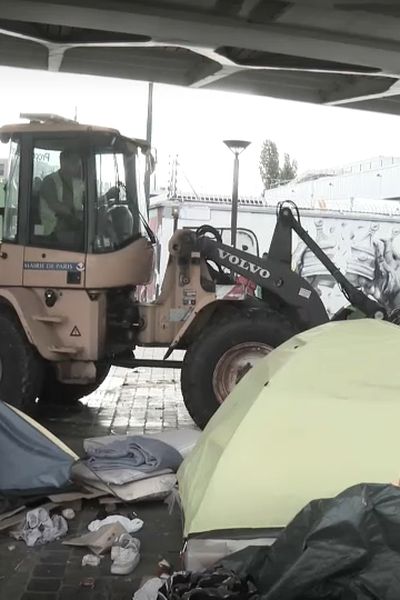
(133,452)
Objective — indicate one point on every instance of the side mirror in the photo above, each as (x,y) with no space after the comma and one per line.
(151,161)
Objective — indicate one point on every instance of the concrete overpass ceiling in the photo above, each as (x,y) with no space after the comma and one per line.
(336,52)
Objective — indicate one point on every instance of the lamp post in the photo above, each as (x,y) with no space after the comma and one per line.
(149,132)
(237,147)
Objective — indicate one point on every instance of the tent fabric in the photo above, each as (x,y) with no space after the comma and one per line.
(317,415)
(344,548)
(33,460)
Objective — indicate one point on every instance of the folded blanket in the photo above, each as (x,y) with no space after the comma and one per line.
(133,452)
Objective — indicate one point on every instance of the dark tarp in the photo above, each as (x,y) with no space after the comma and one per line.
(345,548)
(33,462)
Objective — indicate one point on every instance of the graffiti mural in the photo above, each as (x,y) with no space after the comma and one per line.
(368,253)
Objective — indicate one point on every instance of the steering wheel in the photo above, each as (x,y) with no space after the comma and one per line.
(204,229)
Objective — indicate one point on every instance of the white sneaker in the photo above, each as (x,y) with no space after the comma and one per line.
(125,555)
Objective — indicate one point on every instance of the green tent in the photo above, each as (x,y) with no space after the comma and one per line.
(319,414)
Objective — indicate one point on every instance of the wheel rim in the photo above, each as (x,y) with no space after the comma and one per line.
(234,364)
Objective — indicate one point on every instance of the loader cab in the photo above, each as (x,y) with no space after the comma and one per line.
(72,187)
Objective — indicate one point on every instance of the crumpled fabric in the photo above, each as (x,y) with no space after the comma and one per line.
(40,528)
(149,589)
(212,584)
(130,525)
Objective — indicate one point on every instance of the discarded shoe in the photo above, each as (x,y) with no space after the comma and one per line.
(125,555)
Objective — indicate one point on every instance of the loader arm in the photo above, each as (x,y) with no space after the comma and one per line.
(281,250)
(273,272)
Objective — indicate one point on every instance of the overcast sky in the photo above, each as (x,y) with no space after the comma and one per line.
(193,123)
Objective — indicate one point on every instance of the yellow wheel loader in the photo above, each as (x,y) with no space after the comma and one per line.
(76,247)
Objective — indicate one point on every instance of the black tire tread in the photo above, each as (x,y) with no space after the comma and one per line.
(31,379)
(197,408)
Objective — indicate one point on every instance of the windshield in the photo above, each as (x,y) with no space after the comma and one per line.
(117,219)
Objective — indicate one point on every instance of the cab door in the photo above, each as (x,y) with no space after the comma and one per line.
(11,251)
(54,255)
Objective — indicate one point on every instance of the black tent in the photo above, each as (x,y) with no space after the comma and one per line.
(343,548)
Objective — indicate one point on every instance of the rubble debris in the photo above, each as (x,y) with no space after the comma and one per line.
(151,585)
(149,589)
(88,582)
(164,568)
(98,541)
(90,560)
(87,493)
(11,513)
(68,513)
(109,501)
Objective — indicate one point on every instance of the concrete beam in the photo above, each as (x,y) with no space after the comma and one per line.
(359,87)
(367,96)
(183,28)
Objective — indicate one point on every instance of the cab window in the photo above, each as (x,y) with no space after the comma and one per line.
(11,196)
(57,216)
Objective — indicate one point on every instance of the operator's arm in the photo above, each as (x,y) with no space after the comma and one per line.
(111,194)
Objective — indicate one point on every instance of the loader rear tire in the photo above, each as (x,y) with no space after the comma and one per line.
(21,367)
(56,392)
(224,352)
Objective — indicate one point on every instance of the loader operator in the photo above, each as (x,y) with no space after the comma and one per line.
(62,202)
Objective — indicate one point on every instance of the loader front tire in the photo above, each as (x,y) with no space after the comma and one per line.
(226,349)
(56,392)
(21,367)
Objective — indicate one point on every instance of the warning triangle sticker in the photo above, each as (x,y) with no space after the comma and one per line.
(75,332)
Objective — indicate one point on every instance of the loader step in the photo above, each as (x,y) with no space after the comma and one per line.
(48,319)
(143,362)
(65,350)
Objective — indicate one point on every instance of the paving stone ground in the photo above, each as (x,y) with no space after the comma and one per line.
(141,401)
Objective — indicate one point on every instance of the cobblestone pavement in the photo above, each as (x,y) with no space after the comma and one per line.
(144,400)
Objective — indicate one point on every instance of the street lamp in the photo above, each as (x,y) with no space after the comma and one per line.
(237,147)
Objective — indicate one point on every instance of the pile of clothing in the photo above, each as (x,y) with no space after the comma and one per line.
(215,584)
(41,528)
(134,467)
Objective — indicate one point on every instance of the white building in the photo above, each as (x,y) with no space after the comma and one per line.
(374,178)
